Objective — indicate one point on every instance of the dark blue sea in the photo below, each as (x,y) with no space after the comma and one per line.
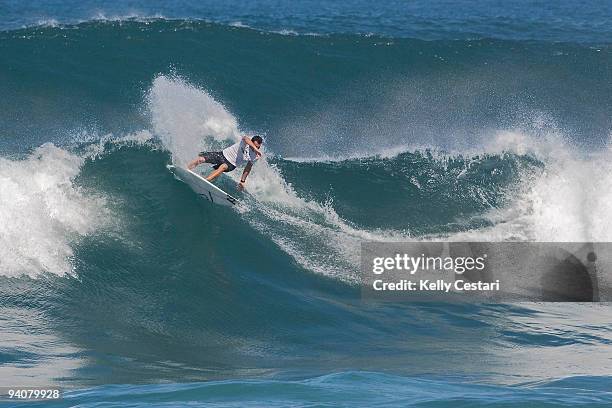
(383,121)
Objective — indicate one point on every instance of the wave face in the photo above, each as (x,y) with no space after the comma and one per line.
(111,271)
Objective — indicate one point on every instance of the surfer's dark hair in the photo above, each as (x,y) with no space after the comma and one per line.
(257,139)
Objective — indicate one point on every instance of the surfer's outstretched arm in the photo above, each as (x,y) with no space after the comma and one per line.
(245,174)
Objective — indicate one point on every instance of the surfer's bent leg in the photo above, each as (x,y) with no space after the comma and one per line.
(217,172)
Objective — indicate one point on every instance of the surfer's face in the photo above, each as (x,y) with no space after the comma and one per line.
(256,143)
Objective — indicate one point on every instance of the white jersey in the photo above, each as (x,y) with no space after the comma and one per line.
(240,153)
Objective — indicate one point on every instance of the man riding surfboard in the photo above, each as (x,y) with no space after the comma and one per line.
(245,152)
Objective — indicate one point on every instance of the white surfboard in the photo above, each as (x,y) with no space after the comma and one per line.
(202,186)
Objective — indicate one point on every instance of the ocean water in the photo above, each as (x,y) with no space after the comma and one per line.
(463,120)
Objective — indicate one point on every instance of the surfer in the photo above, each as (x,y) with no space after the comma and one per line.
(246,151)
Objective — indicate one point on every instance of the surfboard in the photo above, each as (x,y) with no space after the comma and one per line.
(202,186)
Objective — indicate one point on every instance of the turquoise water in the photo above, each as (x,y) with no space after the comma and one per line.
(347,389)
(471,120)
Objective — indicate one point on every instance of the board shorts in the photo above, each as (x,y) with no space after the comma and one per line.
(217,158)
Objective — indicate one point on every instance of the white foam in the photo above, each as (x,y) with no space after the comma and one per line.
(569,201)
(184,116)
(99,16)
(48,22)
(238,24)
(287,32)
(383,153)
(499,141)
(96,145)
(129,16)
(42,212)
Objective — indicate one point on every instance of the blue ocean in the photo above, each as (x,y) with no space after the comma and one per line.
(474,120)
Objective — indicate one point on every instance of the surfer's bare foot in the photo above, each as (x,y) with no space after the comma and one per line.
(195,162)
